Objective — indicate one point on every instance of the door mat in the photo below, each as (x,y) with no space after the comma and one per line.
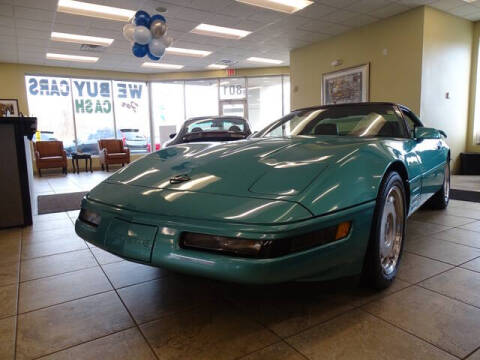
(60,202)
(465,195)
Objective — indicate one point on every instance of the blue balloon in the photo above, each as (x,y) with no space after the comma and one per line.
(158,17)
(142,18)
(151,56)
(139,50)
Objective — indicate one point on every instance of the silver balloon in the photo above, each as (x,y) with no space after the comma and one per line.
(157,47)
(142,35)
(167,41)
(128,31)
(158,28)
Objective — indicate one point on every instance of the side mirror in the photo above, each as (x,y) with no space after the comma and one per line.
(422,133)
(171,136)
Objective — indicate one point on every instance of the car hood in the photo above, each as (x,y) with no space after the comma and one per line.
(268,168)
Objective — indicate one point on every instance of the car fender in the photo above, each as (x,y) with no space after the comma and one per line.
(353,179)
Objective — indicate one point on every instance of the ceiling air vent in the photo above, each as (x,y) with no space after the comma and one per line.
(227,62)
(92,48)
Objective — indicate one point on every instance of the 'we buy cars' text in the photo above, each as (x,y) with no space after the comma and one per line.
(90,96)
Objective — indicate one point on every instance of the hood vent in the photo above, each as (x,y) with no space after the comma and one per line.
(92,48)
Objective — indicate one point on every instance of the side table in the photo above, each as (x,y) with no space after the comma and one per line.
(84,156)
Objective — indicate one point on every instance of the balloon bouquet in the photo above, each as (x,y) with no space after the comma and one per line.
(148,35)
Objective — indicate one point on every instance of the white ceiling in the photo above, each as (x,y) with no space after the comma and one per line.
(25,27)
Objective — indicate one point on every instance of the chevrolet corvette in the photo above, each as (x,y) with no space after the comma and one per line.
(322,193)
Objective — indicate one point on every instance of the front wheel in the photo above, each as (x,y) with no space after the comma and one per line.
(440,200)
(387,234)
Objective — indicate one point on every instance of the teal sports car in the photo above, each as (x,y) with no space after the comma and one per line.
(322,193)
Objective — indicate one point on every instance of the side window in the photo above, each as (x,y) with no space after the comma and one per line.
(411,123)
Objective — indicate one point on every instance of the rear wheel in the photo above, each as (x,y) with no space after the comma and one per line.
(387,234)
(442,197)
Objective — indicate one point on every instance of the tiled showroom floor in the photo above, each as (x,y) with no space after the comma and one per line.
(60,299)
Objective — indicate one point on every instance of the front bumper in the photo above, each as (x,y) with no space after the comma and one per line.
(154,240)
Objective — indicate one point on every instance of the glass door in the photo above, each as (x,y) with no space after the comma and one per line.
(233,108)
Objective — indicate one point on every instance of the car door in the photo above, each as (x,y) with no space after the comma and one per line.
(429,153)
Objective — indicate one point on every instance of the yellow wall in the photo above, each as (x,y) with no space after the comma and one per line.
(474,116)
(429,53)
(447,52)
(393,77)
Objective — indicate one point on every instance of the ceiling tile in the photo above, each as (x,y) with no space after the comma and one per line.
(389,10)
(38,4)
(325,27)
(368,6)
(447,5)
(33,14)
(6,10)
(6,22)
(464,10)
(33,25)
(316,11)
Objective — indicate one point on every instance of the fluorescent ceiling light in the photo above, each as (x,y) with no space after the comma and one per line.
(161,65)
(220,31)
(286,6)
(81,39)
(65,57)
(264,60)
(187,52)
(217,66)
(94,10)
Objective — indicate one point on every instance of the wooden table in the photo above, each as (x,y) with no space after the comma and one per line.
(84,156)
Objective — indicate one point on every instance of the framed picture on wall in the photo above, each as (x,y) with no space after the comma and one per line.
(346,86)
(8,107)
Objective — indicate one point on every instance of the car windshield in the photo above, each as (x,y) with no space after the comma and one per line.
(132,134)
(372,120)
(216,124)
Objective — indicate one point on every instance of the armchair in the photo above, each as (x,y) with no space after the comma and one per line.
(50,154)
(113,152)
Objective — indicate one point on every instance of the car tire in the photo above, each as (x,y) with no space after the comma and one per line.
(440,200)
(387,233)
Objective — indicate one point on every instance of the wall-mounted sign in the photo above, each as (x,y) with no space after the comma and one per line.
(231,89)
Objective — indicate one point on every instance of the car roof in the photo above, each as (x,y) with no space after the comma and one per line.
(194,119)
(352,104)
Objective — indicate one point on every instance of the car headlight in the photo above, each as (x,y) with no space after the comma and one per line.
(263,249)
(90,217)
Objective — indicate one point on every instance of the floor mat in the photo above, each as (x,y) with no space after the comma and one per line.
(465,195)
(60,202)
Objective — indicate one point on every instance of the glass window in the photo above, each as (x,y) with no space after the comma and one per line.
(201,98)
(168,110)
(264,101)
(132,115)
(286,94)
(92,105)
(357,121)
(232,89)
(50,100)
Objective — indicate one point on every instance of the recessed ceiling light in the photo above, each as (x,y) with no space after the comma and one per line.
(286,6)
(94,10)
(187,52)
(65,57)
(217,66)
(161,65)
(220,31)
(81,39)
(264,60)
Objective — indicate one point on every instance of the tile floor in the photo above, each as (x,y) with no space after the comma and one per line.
(63,299)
